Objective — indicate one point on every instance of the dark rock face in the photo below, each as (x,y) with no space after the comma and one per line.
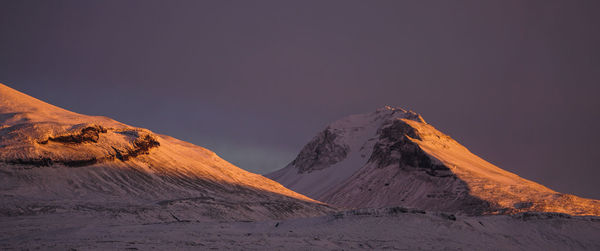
(31,162)
(140,146)
(39,162)
(88,134)
(397,130)
(320,153)
(394,147)
(523,205)
(525,216)
(451,217)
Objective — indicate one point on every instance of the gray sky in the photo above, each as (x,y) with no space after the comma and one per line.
(514,81)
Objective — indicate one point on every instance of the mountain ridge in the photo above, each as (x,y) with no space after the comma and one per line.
(53,160)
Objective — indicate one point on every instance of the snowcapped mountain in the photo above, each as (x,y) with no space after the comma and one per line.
(70,181)
(55,161)
(392,157)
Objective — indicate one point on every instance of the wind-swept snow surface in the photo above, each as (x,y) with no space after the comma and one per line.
(56,161)
(392,157)
(386,229)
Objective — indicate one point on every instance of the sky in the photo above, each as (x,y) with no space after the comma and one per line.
(516,82)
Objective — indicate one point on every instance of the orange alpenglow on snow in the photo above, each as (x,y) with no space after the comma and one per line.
(97,161)
(392,157)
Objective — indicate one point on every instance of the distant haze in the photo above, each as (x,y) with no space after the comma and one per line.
(517,82)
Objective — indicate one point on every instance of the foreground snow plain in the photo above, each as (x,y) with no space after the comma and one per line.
(373,229)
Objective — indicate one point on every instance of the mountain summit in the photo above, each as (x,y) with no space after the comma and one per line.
(392,157)
(53,160)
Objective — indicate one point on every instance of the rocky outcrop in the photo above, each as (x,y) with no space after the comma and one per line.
(395,147)
(82,141)
(140,146)
(89,134)
(321,152)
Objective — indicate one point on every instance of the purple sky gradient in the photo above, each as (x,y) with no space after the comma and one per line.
(517,82)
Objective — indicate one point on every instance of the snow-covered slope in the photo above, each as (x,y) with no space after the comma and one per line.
(53,160)
(392,157)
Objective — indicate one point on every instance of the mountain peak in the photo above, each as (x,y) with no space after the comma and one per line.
(15,101)
(18,108)
(389,108)
(391,157)
(399,112)
(377,118)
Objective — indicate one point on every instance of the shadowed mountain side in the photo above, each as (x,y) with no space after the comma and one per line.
(123,190)
(410,186)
